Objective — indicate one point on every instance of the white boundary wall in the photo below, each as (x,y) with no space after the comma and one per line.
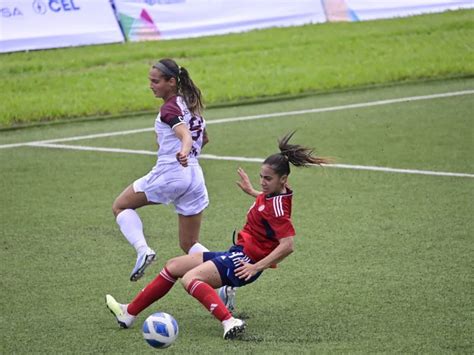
(41,24)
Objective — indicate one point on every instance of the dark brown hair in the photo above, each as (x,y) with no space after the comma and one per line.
(294,154)
(186,87)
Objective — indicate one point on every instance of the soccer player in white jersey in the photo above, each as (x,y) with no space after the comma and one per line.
(177,177)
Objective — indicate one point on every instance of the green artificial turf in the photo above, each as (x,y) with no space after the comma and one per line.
(383,261)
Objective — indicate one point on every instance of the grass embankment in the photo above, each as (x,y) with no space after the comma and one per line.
(112,79)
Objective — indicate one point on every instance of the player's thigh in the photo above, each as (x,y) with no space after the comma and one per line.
(206,272)
(130,199)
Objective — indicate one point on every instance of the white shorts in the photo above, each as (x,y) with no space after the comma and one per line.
(173,183)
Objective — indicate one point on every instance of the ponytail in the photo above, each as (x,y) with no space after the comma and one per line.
(191,93)
(186,87)
(294,154)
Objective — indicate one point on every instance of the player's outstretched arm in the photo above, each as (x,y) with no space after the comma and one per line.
(245,183)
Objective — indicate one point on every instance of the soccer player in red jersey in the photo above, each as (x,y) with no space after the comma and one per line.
(265,240)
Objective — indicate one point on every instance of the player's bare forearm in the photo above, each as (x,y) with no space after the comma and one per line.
(284,249)
(247,271)
(186,145)
(245,183)
(183,134)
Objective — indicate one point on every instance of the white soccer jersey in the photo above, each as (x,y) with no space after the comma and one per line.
(175,112)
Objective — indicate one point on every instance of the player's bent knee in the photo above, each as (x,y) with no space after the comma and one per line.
(181,265)
(116,208)
(173,266)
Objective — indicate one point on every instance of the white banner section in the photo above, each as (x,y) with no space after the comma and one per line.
(169,19)
(40,24)
(362,10)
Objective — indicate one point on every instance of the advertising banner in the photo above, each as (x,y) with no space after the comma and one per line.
(169,19)
(40,24)
(361,10)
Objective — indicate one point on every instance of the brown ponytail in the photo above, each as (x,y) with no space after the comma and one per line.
(191,93)
(294,154)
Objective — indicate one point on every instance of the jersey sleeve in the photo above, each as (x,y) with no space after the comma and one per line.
(171,114)
(280,220)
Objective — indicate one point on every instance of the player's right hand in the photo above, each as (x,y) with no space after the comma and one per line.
(182,159)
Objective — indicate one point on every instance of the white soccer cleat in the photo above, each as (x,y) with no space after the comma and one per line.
(143,261)
(233,328)
(227,295)
(124,319)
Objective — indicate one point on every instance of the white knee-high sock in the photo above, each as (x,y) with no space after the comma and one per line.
(132,228)
(197,248)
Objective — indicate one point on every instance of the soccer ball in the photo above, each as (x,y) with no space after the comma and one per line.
(160,330)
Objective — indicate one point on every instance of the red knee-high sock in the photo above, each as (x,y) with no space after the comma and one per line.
(209,299)
(152,292)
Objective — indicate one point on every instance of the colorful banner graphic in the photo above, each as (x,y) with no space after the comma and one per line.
(169,19)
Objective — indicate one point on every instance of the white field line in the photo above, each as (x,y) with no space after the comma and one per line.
(256,117)
(255,160)
(92,149)
(77,138)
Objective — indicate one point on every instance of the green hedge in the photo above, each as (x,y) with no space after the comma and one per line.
(112,79)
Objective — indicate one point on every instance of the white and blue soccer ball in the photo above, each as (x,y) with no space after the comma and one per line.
(160,330)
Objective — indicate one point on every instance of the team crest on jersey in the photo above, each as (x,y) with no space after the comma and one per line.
(261,208)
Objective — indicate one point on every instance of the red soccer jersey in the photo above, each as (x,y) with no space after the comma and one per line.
(268,220)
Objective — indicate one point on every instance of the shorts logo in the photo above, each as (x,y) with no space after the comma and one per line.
(261,208)
(238,258)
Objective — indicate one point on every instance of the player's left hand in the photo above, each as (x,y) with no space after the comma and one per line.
(246,271)
(182,159)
